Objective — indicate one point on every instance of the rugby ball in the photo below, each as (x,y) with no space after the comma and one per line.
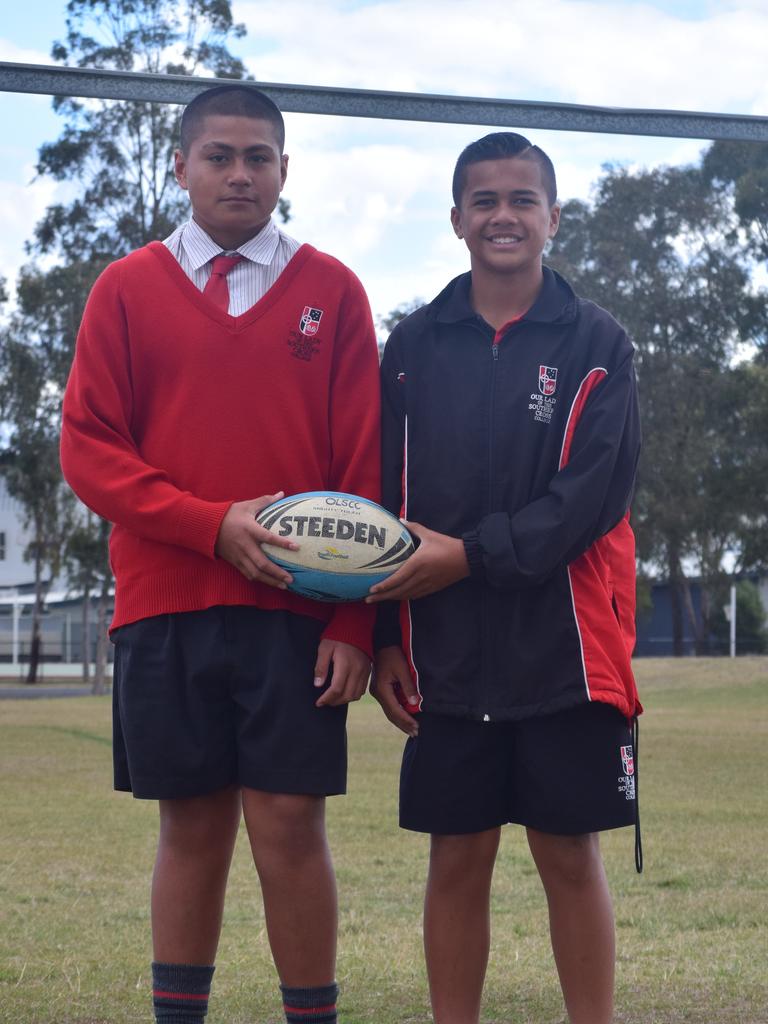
(346,543)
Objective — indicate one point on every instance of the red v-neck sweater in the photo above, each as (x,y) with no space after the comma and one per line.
(175,409)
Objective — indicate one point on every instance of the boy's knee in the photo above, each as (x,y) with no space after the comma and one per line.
(457,860)
(575,860)
(293,822)
(200,825)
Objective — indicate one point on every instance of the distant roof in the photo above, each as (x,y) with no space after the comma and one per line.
(10,597)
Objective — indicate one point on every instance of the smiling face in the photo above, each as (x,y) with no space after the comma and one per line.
(505,217)
(234,173)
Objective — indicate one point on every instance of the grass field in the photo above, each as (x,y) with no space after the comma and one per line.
(692,930)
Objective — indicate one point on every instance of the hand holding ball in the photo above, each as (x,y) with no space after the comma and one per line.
(346,543)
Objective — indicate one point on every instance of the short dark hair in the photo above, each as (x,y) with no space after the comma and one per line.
(238,100)
(501,146)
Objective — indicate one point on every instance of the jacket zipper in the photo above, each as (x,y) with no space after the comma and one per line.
(487,646)
(492,409)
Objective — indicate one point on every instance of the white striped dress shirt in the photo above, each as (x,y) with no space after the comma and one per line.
(266,257)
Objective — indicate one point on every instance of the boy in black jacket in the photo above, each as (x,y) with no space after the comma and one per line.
(510,444)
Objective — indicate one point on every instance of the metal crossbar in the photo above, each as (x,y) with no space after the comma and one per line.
(399,106)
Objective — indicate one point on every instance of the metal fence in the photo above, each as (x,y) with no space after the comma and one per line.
(402,106)
(61,638)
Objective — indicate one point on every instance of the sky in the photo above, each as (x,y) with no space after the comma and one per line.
(376,193)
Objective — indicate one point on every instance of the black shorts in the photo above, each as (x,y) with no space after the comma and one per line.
(225,696)
(566,774)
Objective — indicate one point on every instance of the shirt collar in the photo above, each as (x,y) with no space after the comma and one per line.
(555,302)
(201,248)
(456,305)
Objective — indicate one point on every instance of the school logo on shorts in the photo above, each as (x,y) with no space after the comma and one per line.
(310,320)
(547,380)
(627,780)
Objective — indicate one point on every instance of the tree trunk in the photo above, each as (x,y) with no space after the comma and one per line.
(86,637)
(100,668)
(698,623)
(34,650)
(704,648)
(675,600)
(36,644)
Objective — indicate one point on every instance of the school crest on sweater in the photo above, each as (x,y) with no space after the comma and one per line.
(310,320)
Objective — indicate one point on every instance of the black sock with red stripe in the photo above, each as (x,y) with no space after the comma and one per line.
(310,1005)
(180,992)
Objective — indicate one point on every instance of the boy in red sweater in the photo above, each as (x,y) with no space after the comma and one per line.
(213,373)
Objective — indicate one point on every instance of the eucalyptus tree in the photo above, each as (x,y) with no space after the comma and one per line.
(119,152)
(115,162)
(663,251)
(742,168)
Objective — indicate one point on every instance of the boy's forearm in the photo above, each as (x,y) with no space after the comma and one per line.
(587,498)
(352,624)
(438,562)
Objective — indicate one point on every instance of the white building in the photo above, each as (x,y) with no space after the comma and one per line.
(14,571)
(62,623)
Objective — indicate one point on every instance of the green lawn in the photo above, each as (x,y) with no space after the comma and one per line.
(75,860)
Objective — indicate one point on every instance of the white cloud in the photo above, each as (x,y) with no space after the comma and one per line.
(22,55)
(22,198)
(360,204)
(601,53)
(22,204)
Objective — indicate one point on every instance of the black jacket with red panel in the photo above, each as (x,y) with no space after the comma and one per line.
(525,444)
